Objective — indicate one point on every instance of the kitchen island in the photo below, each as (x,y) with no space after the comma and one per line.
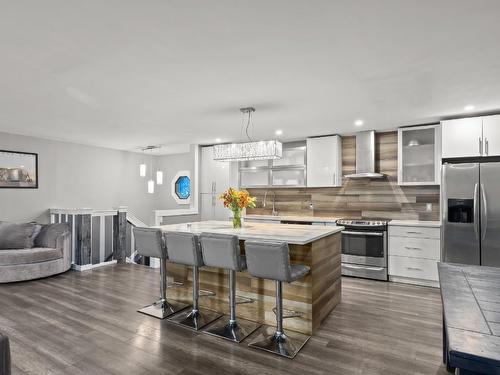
(314,296)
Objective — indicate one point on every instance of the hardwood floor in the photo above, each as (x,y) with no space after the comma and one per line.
(86,323)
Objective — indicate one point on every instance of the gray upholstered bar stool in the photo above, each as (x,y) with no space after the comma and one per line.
(223,251)
(149,242)
(271,260)
(184,248)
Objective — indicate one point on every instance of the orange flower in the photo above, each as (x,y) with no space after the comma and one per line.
(237,200)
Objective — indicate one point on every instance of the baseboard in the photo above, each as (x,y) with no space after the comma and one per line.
(409,280)
(87,267)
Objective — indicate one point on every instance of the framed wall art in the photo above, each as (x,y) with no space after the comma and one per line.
(18,170)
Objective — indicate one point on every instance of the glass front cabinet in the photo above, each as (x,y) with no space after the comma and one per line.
(419,155)
(290,170)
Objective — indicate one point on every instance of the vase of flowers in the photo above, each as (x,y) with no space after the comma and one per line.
(236,201)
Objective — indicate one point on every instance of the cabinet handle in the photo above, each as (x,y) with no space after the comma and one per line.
(410,232)
(412,248)
(413,269)
(334,178)
(480,146)
(486,146)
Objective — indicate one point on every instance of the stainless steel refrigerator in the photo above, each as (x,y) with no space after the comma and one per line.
(471,213)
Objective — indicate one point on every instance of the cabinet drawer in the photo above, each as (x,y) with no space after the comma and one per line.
(413,267)
(426,248)
(418,232)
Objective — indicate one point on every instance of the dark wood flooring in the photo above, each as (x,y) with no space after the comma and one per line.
(86,323)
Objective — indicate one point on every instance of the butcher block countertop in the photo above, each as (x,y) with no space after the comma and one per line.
(291,233)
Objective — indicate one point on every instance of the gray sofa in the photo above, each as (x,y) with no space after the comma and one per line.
(4,355)
(31,251)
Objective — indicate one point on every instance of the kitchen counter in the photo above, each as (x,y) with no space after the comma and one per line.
(315,295)
(415,223)
(295,234)
(306,219)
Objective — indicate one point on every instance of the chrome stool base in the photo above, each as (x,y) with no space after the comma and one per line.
(163,309)
(195,321)
(236,332)
(286,345)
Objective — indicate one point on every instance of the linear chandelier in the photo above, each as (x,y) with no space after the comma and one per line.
(252,150)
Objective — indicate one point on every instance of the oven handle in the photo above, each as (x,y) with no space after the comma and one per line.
(374,234)
(356,267)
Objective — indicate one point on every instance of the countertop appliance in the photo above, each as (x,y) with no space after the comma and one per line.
(364,248)
(471,213)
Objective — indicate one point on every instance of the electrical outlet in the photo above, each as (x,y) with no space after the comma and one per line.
(428,207)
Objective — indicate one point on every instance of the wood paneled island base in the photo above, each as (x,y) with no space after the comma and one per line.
(314,296)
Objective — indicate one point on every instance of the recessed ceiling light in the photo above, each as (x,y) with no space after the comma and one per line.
(358,122)
(218,140)
(469,107)
(278,132)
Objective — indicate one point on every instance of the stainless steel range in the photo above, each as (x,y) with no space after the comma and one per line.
(364,248)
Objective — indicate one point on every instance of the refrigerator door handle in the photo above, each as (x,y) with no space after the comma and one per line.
(484,213)
(476,210)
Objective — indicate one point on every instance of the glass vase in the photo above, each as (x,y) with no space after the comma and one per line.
(237,219)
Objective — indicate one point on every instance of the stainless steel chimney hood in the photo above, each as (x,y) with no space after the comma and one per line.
(365,156)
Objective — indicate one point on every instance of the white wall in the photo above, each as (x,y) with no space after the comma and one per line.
(170,165)
(75,176)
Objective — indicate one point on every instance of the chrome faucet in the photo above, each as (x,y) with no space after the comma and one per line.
(264,202)
(274,213)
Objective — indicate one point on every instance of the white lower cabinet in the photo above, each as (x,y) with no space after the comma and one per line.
(414,252)
(419,270)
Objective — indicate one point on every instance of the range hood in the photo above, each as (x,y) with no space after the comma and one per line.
(365,156)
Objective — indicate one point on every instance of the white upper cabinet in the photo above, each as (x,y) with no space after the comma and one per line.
(471,137)
(491,135)
(215,176)
(419,155)
(324,161)
(462,137)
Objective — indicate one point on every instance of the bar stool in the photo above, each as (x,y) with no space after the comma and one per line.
(184,248)
(271,260)
(149,242)
(223,251)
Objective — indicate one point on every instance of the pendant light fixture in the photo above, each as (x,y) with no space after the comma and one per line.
(151,183)
(159,178)
(251,150)
(143,171)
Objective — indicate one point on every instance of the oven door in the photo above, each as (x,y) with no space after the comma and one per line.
(364,247)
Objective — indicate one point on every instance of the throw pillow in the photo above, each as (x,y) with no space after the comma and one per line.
(16,236)
(49,233)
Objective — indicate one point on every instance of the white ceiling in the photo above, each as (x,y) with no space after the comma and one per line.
(124,74)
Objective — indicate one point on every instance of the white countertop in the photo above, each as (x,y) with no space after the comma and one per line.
(291,233)
(415,223)
(312,219)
